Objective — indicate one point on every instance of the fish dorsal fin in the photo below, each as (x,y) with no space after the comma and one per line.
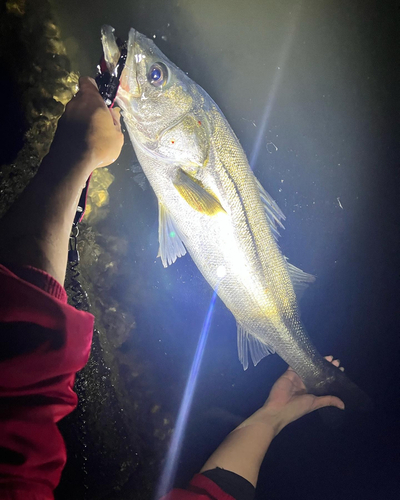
(195,195)
(169,238)
(300,279)
(272,211)
(247,342)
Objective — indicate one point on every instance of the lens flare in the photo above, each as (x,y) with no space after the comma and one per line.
(283,56)
(171,463)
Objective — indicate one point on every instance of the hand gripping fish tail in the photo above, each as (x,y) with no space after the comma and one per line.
(335,383)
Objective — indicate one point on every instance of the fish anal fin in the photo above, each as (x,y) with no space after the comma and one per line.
(274,214)
(247,342)
(193,192)
(171,246)
(300,279)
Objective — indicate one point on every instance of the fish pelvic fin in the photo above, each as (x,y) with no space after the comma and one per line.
(169,237)
(193,192)
(247,342)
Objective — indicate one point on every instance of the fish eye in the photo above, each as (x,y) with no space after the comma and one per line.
(158,74)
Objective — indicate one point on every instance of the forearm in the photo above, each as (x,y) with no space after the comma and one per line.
(43,343)
(36,229)
(244,449)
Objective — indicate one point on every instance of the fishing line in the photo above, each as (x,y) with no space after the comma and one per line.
(171,463)
(78,295)
(108,85)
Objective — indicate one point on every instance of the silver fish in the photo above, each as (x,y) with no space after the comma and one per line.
(212,205)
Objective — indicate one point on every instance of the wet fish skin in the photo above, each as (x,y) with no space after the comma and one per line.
(212,205)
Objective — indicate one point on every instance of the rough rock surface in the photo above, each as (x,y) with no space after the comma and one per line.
(117,437)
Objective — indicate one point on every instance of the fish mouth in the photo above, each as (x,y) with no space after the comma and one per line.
(129,77)
(111,49)
(129,83)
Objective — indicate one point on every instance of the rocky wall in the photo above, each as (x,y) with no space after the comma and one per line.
(117,436)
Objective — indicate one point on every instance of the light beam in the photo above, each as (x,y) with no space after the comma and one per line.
(171,463)
(284,52)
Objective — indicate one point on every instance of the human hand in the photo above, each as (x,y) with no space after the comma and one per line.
(88,131)
(243,451)
(288,401)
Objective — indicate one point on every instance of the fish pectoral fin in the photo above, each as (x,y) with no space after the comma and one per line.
(169,238)
(274,214)
(141,180)
(258,350)
(300,279)
(195,195)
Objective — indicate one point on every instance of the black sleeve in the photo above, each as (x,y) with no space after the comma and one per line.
(233,484)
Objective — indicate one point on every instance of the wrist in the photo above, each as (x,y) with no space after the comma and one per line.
(265,421)
(62,160)
(273,419)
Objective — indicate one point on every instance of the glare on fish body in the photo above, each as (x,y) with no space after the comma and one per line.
(221,271)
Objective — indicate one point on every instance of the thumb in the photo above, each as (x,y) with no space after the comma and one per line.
(323,401)
(116,115)
(85,82)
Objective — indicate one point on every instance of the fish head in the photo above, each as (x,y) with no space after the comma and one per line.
(162,107)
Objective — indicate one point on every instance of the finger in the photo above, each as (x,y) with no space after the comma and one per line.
(295,379)
(323,401)
(291,374)
(116,115)
(329,358)
(336,362)
(87,83)
(88,88)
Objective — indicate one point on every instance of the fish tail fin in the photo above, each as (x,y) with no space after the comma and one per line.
(336,383)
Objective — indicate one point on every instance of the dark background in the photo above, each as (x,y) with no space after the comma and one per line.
(327,71)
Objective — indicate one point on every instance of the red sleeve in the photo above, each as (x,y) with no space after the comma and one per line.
(200,488)
(43,343)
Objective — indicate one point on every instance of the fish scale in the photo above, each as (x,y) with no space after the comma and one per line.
(211,205)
